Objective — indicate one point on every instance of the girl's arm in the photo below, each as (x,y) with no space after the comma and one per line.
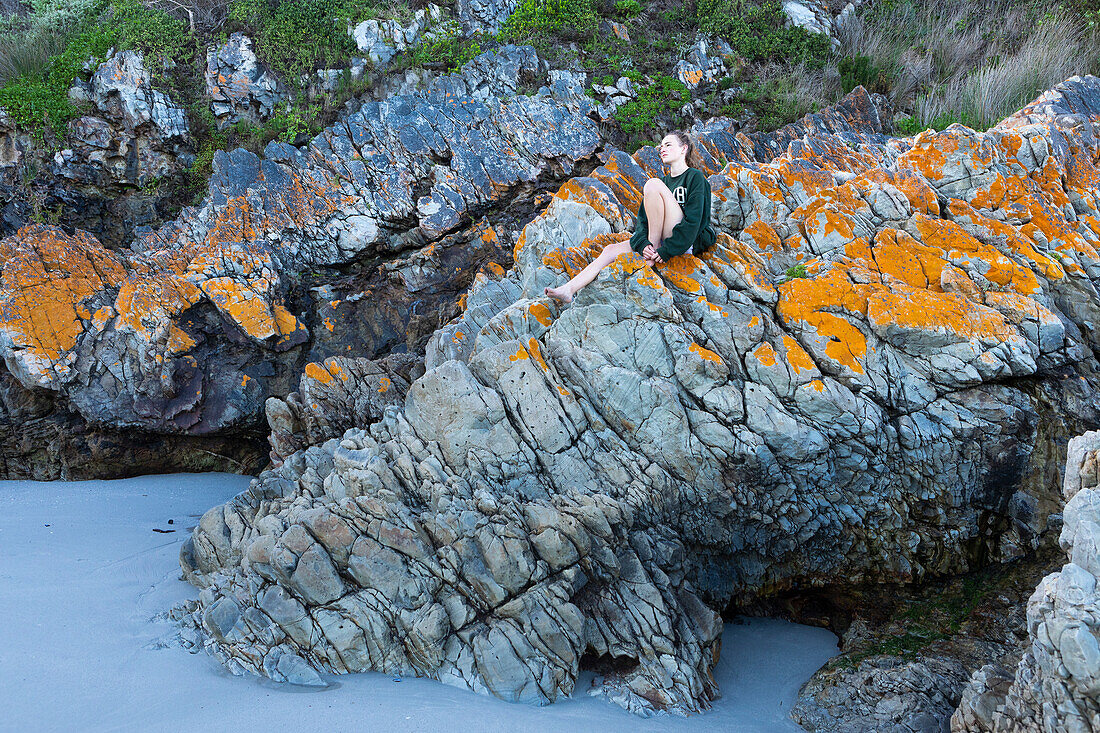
(683,234)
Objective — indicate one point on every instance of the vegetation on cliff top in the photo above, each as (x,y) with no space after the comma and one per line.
(939,62)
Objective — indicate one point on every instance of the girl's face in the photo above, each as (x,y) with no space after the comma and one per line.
(671,149)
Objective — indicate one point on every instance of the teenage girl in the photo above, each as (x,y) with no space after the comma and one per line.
(674,215)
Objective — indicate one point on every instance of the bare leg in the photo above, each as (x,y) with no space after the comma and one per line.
(566,292)
(654,204)
(663,214)
(662,211)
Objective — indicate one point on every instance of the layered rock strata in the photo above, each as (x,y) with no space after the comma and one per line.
(1056,685)
(356,245)
(119,163)
(852,384)
(239,86)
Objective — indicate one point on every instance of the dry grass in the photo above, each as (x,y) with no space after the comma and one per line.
(26,51)
(969,61)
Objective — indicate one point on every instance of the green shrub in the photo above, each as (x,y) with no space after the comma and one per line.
(798,270)
(664,96)
(757,31)
(628,8)
(296,37)
(909,126)
(159,36)
(37,102)
(861,71)
(577,18)
(775,102)
(452,50)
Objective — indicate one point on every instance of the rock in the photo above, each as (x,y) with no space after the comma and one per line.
(699,68)
(882,694)
(121,88)
(107,176)
(239,86)
(191,329)
(381,40)
(819,16)
(1056,686)
(333,396)
(710,431)
(484,16)
(613,28)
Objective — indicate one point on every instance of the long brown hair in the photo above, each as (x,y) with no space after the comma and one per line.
(692,158)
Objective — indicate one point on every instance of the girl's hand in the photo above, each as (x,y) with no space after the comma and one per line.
(649,252)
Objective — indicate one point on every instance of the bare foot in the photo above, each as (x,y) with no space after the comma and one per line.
(561,294)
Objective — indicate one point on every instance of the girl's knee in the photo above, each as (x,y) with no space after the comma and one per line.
(654,185)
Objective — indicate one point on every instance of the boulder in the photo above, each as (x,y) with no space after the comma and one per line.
(600,479)
(381,40)
(239,86)
(1056,686)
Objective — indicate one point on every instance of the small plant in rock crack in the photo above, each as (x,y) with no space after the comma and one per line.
(796,271)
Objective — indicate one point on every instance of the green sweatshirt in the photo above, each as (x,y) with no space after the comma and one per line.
(692,191)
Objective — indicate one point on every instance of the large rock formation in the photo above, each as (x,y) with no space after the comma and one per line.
(122,163)
(1056,686)
(860,382)
(357,245)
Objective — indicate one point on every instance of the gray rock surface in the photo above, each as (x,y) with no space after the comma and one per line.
(1056,686)
(597,479)
(239,86)
(381,40)
(484,16)
(819,16)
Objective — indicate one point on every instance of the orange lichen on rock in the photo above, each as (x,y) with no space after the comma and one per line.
(249,309)
(536,353)
(814,302)
(606,205)
(324,372)
(765,354)
(1047,266)
(704,353)
(541,313)
(895,253)
(928,156)
(942,313)
(46,277)
(728,252)
(622,186)
(683,271)
(957,244)
(572,260)
(797,357)
(763,236)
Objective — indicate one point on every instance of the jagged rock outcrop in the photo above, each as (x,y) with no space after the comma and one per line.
(333,396)
(819,16)
(239,86)
(356,245)
(598,479)
(484,16)
(1056,686)
(381,40)
(112,176)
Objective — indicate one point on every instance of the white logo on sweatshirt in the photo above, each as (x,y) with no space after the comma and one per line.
(678,192)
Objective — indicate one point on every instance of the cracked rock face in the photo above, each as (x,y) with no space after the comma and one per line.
(598,479)
(109,179)
(239,85)
(354,246)
(1056,686)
